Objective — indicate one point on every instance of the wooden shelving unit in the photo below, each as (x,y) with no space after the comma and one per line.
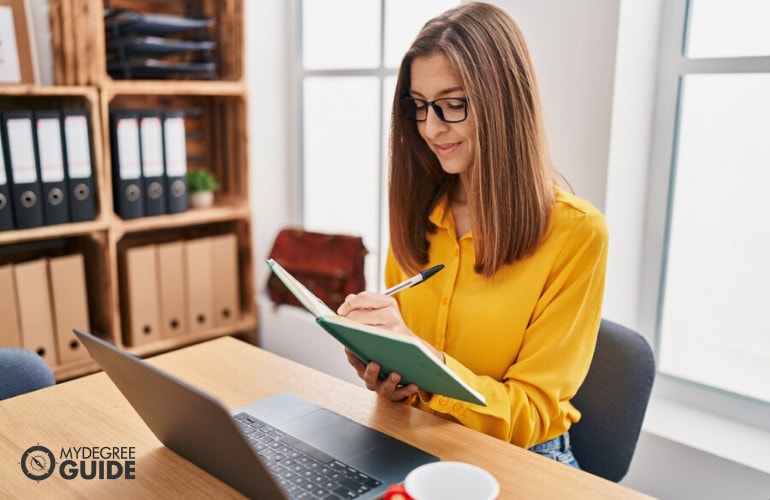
(216,131)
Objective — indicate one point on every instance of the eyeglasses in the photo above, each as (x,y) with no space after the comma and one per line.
(448,109)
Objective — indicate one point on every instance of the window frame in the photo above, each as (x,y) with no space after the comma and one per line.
(673,65)
(376,257)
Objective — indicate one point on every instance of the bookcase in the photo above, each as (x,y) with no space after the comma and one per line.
(215,113)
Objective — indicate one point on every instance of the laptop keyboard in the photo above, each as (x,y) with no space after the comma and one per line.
(302,471)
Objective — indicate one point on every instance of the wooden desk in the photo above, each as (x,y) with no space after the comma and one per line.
(91,412)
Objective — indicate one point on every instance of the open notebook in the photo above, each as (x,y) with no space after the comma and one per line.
(403,354)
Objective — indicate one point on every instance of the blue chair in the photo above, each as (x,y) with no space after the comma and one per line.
(22,371)
(613,400)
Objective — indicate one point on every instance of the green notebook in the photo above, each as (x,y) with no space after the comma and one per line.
(394,352)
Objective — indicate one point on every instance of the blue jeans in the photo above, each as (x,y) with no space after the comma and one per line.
(557,449)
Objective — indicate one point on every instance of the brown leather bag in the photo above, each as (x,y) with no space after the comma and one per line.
(330,265)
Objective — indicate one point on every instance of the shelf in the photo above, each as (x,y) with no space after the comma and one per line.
(78,28)
(182,87)
(215,122)
(55,231)
(192,217)
(48,90)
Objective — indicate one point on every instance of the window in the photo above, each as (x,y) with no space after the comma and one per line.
(349,56)
(712,165)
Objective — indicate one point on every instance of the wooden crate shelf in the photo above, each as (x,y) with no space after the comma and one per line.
(216,130)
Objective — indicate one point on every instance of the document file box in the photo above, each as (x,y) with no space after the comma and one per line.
(200,283)
(70,305)
(79,165)
(22,168)
(141,295)
(175,154)
(126,165)
(50,152)
(225,264)
(10,333)
(172,283)
(151,141)
(35,316)
(6,204)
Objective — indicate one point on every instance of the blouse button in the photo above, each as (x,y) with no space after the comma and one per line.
(445,300)
(457,406)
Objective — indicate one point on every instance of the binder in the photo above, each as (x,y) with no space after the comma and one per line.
(200,273)
(35,316)
(225,265)
(79,165)
(141,295)
(172,285)
(50,153)
(151,143)
(175,155)
(126,165)
(70,305)
(22,167)
(10,330)
(6,206)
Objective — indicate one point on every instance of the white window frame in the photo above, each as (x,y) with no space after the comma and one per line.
(673,65)
(375,261)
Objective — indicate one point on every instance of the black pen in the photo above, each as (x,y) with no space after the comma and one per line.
(417,278)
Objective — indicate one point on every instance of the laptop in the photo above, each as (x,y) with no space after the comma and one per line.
(280,447)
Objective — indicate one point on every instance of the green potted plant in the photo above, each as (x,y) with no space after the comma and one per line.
(201,184)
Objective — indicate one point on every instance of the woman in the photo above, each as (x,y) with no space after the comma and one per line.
(516,311)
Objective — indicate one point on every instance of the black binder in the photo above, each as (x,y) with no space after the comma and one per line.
(126,164)
(6,205)
(175,154)
(50,155)
(151,141)
(23,170)
(79,164)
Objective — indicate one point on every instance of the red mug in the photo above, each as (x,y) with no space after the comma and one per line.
(443,480)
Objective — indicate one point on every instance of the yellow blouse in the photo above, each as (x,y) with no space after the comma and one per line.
(524,338)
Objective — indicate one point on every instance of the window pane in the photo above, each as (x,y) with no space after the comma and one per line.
(341,173)
(403,20)
(715,323)
(738,28)
(340,34)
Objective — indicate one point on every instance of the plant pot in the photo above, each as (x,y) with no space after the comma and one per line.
(203,199)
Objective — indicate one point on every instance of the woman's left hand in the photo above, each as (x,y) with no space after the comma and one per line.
(388,387)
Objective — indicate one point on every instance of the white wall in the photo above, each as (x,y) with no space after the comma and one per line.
(595,62)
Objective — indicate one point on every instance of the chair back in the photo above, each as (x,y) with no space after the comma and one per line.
(613,400)
(22,371)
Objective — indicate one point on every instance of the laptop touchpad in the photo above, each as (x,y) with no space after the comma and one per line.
(334,434)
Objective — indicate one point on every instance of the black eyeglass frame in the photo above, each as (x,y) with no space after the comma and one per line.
(407,100)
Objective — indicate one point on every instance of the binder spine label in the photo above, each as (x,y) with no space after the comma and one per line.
(50,151)
(3,177)
(128,149)
(22,150)
(78,147)
(176,153)
(152,147)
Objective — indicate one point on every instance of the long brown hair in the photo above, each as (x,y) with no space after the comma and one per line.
(511,181)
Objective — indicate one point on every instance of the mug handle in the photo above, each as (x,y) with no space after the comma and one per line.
(397,492)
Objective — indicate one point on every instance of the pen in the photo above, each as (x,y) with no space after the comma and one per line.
(417,278)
